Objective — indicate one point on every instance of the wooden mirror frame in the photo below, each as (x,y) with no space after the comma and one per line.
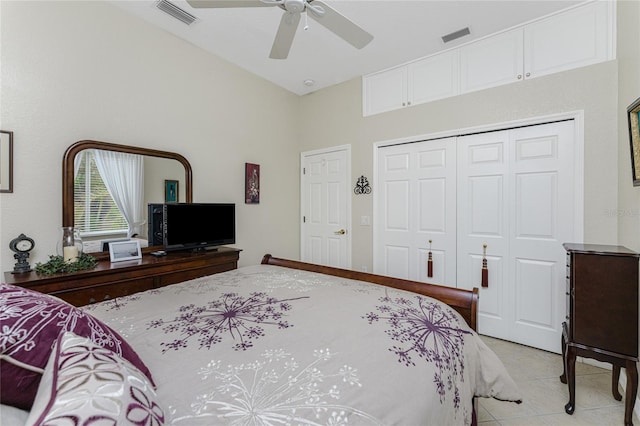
(68,170)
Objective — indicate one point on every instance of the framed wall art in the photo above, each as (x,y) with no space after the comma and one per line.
(6,161)
(633,115)
(171,191)
(251,183)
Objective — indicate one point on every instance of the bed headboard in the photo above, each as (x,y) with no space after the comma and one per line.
(463,301)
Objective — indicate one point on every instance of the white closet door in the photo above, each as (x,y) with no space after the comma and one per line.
(415,203)
(542,213)
(483,175)
(515,188)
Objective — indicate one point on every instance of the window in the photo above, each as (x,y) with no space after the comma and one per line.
(95,211)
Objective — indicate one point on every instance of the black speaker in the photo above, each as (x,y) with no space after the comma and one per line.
(155,225)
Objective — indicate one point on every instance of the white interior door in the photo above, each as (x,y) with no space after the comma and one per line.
(415,203)
(326,207)
(516,189)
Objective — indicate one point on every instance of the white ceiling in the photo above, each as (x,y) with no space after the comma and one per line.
(403,31)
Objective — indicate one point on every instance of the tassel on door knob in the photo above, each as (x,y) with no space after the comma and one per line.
(485,269)
(430,262)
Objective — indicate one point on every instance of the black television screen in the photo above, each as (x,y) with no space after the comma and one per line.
(198,225)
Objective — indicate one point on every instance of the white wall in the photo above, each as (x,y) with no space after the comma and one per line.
(86,70)
(334,117)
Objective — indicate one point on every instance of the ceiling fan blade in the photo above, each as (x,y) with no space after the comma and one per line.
(284,37)
(201,4)
(342,26)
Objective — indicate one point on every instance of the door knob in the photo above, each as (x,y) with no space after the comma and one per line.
(340,232)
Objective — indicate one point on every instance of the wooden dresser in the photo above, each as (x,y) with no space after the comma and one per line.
(109,280)
(602,316)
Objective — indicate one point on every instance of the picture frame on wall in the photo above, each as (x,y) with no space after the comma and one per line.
(125,250)
(171,191)
(6,161)
(633,116)
(251,183)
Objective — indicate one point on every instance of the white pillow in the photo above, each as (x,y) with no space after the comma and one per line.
(83,381)
(12,416)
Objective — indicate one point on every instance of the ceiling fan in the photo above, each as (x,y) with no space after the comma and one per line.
(316,9)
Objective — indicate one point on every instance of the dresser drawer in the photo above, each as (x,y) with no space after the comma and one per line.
(177,277)
(81,297)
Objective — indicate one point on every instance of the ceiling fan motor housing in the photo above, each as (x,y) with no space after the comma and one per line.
(294,6)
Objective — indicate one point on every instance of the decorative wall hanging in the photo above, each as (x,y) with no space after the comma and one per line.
(251,183)
(171,191)
(485,269)
(633,116)
(362,186)
(6,161)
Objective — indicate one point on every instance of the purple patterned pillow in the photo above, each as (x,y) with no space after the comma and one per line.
(30,323)
(84,383)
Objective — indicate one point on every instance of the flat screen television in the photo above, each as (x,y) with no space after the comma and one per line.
(198,226)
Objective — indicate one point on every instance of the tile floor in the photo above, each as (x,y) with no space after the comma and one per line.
(537,373)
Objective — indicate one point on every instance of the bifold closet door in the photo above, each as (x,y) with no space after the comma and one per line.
(515,194)
(415,203)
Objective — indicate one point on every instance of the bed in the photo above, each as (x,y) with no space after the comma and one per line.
(283,342)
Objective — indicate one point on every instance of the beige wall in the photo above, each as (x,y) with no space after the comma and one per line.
(87,70)
(628,91)
(67,75)
(334,117)
(156,171)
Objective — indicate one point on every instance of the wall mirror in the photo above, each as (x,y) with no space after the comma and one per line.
(158,166)
(6,161)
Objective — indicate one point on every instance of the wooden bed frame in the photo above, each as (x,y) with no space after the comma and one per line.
(463,301)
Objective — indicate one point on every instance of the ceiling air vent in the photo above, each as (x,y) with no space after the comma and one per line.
(174,11)
(456,34)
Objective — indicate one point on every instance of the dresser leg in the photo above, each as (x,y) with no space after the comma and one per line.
(630,392)
(615,379)
(563,345)
(570,365)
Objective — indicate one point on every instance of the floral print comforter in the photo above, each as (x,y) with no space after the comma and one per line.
(266,345)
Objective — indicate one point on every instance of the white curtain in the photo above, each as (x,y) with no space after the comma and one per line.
(76,163)
(123,175)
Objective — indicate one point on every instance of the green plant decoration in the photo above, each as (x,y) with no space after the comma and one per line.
(56,264)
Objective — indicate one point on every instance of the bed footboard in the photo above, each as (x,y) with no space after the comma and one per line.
(463,301)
